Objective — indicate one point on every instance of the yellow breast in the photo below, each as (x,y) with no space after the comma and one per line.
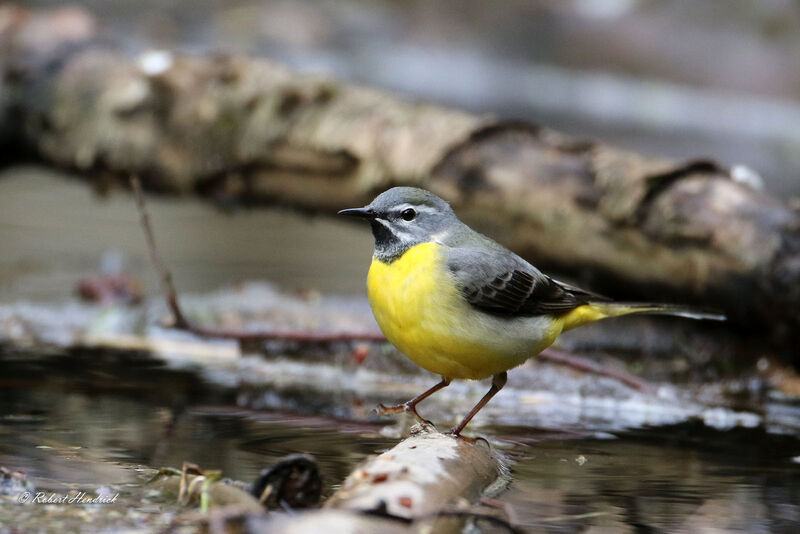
(421,311)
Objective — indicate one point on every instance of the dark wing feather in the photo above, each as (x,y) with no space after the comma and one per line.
(501,283)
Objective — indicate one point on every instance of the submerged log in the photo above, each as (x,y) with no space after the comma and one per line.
(242,128)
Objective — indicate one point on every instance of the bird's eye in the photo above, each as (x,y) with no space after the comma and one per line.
(408,214)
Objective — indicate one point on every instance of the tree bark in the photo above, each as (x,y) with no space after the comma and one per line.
(248,129)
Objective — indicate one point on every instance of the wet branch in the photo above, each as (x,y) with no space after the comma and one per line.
(165,277)
(586,365)
(179,318)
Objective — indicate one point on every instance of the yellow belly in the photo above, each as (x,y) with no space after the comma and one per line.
(420,310)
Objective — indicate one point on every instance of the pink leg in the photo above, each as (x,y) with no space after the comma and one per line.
(411,406)
(498,382)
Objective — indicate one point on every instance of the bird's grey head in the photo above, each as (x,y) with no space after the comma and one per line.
(403,217)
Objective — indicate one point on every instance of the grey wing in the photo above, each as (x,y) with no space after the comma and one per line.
(501,283)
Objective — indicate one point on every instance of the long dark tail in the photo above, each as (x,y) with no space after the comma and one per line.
(595,311)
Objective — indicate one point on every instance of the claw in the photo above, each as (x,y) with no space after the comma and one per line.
(411,406)
(453,432)
(419,418)
(406,407)
(471,441)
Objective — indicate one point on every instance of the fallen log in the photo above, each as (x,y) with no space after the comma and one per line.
(427,481)
(232,127)
(420,476)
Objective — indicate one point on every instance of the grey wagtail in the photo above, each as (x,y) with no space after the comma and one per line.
(463,306)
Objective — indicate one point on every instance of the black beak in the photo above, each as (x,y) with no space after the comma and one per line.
(364,213)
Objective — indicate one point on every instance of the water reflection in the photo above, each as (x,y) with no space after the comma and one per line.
(66,417)
(685,478)
(81,419)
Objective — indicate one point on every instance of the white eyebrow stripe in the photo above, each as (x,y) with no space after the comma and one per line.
(420,209)
(426,209)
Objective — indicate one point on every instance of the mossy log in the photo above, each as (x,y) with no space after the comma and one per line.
(242,128)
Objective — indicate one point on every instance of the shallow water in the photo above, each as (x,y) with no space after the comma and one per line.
(672,479)
(82,419)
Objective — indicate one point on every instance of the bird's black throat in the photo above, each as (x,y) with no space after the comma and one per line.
(388,247)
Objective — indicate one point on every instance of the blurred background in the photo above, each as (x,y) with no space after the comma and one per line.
(717,79)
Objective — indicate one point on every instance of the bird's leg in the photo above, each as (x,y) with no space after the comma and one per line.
(411,406)
(498,381)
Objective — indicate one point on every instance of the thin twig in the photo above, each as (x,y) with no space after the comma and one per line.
(165,277)
(588,366)
(288,335)
(180,322)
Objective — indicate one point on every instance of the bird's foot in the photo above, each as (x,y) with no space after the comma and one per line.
(456,433)
(382,409)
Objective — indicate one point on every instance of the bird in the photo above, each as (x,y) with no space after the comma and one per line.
(463,306)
